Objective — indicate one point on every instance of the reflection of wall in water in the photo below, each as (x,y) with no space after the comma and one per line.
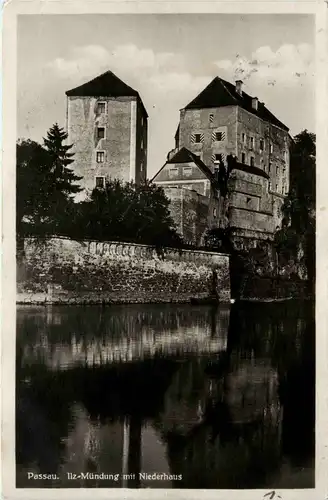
(173,331)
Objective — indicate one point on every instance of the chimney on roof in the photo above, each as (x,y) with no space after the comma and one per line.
(255,103)
(239,87)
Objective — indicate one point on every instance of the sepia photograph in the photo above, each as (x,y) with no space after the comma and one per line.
(165,251)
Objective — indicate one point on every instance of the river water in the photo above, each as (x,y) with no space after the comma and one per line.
(165,396)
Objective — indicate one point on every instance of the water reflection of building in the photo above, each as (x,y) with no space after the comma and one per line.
(224,420)
(173,335)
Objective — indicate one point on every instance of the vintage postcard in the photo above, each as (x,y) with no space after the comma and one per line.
(160,274)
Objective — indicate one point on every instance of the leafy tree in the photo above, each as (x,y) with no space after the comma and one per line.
(45,184)
(128,213)
(296,239)
(33,202)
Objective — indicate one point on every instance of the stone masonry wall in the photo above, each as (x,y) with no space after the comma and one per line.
(60,270)
(190,212)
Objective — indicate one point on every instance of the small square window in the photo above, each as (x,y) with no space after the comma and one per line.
(173,172)
(100,182)
(100,157)
(187,170)
(211,118)
(218,158)
(218,136)
(101,132)
(252,161)
(101,108)
(198,138)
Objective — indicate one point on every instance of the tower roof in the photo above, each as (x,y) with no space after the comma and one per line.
(221,93)
(105,85)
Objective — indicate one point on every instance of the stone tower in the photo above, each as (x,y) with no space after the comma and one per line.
(107,125)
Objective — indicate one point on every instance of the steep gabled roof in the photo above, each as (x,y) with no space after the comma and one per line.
(185,156)
(105,85)
(222,93)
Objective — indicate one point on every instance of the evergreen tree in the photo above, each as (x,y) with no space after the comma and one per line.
(61,159)
(45,185)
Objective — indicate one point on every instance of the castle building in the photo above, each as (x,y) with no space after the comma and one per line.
(225,122)
(107,125)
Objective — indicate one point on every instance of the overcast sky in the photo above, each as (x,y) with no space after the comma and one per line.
(168,59)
